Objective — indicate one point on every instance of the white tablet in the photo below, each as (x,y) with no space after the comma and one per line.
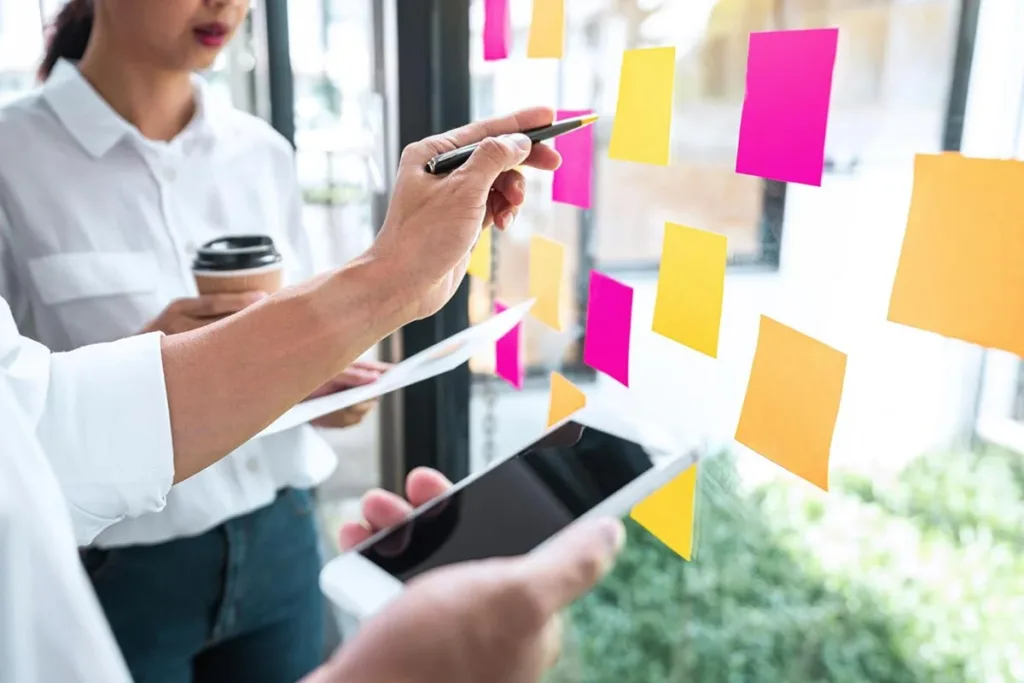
(595,464)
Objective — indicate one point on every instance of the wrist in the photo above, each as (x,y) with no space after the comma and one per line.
(373,293)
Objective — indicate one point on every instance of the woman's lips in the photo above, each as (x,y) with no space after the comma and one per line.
(211,35)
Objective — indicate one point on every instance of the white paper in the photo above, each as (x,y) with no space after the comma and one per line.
(438,359)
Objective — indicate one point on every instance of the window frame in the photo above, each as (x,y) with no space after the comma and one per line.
(1000,374)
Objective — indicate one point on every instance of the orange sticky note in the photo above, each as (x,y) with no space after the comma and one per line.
(547,259)
(565,399)
(668,513)
(480,257)
(547,30)
(792,401)
(691,285)
(960,271)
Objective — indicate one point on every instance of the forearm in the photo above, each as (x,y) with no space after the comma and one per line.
(227,381)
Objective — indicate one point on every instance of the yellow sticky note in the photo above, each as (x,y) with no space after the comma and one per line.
(547,30)
(547,260)
(480,257)
(691,284)
(792,401)
(960,271)
(668,513)
(643,118)
(565,400)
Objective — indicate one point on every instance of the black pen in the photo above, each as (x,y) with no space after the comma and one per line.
(449,161)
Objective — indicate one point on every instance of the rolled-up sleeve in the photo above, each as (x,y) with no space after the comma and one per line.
(101,414)
(106,429)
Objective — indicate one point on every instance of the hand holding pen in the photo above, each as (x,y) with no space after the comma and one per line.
(484,190)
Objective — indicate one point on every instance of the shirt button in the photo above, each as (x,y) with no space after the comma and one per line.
(254,465)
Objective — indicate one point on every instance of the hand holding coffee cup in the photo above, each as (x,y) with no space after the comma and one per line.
(231,273)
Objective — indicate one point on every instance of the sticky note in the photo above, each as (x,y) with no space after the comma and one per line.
(547,30)
(609,315)
(565,399)
(668,513)
(960,272)
(792,401)
(547,261)
(643,117)
(508,362)
(691,284)
(785,111)
(573,179)
(497,30)
(480,257)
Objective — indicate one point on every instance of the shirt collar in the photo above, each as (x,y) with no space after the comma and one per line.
(97,127)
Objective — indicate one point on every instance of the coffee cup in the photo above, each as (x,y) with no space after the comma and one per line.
(238,263)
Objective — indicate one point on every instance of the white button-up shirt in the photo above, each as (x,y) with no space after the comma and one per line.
(98,226)
(101,416)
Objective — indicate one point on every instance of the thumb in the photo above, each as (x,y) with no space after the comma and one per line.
(568,566)
(492,157)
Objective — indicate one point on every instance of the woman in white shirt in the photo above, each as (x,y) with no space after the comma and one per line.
(110,177)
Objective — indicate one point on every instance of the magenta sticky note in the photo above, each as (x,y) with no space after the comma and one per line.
(572,179)
(508,362)
(785,111)
(497,29)
(609,318)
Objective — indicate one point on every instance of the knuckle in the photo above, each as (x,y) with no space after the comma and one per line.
(493,150)
(408,151)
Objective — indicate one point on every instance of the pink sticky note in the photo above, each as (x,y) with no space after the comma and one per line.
(609,317)
(497,30)
(508,362)
(572,179)
(785,112)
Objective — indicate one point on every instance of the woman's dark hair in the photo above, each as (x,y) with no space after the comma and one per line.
(69,34)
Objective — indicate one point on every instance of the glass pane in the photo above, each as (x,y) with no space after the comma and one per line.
(893,574)
(891,81)
(338,140)
(338,119)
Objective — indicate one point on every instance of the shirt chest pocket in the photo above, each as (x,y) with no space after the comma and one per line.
(95,296)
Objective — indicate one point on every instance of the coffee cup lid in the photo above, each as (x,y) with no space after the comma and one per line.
(236,252)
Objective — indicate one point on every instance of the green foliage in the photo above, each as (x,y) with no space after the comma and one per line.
(916,578)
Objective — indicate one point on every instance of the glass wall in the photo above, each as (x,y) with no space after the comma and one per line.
(339,138)
(890,90)
(909,568)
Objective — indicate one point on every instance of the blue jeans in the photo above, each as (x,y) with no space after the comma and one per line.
(238,603)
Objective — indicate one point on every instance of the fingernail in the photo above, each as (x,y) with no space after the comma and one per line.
(614,535)
(520,141)
(507,219)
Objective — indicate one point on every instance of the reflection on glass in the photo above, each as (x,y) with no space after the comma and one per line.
(891,82)
(338,123)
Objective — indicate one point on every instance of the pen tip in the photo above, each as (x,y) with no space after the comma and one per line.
(587,120)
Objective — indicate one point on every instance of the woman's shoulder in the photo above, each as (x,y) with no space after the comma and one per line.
(26,127)
(25,113)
